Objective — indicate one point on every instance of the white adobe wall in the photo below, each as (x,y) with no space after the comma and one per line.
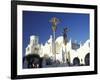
(80,53)
(33,44)
(60,48)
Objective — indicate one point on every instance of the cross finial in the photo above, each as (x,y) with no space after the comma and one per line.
(54,21)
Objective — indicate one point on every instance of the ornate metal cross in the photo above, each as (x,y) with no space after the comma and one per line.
(54,22)
(65,35)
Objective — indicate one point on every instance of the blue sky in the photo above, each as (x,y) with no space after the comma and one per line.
(37,23)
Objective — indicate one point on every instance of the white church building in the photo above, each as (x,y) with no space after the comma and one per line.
(71,52)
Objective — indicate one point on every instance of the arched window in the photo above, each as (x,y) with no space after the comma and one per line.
(32,61)
(76,61)
(87,59)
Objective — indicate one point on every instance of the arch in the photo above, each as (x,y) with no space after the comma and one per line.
(32,61)
(87,59)
(76,61)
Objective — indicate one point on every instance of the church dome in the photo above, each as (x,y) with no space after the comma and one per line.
(59,39)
